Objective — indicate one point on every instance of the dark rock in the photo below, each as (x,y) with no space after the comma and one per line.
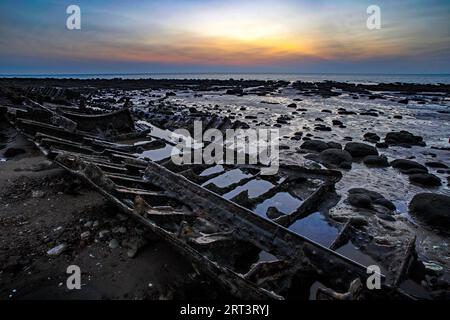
(371,137)
(315,145)
(382,145)
(337,123)
(273,213)
(292,105)
(360,200)
(403,138)
(336,157)
(434,164)
(398,117)
(376,161)
(334,145)
(425,179)
(374,197)
(359,150)
(432,209)
(406,166)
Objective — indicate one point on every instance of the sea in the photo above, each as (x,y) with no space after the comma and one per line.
(312,77)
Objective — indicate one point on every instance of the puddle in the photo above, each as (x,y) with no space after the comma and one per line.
(283,201)
(352,252)
(255,188)
(216,169)
(316,228)
(159,154)
(228,178)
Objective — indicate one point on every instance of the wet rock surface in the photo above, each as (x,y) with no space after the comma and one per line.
(432,208)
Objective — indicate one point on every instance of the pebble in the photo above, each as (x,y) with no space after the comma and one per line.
(114,244)
(56,251)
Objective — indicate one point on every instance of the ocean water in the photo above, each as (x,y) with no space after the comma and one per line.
(313,77)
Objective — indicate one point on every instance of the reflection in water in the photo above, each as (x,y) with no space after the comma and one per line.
(283,201)
(228,178)
(159,154)
(316,228)
(255,188)
(216,169)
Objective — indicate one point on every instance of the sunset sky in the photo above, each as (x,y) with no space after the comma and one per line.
(292,36)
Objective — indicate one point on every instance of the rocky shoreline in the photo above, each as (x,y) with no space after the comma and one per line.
(389,141)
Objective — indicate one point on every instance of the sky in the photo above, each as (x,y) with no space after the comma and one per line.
(276,36)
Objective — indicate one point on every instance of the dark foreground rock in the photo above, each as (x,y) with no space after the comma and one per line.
(337,157)
(376,161)
(425,179)
(318,145)
(359,150)
(404,139)
(363,198)
(431,208)
(408,166)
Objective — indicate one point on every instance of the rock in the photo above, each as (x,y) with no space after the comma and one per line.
(273,213)
(337,123)
(315,145)
(133,245)
(425,179)
(359,150)
(37,194)
(12,152)
(103,233)
(88,224)
(56,251)
(403,138)
(360,200)
(236,91)
(376,161)
(382,145)
(85,235)
(372,137)
(95,224)
(336,157)
(435,164)
(406,166)
(364,198)
(432,209)
(334,145)
(113,244)
(292,105)
(119,230)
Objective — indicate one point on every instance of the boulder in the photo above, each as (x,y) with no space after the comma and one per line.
(358,198)
(315,145)
(425,179)
(408,166)
(372,137)
(431,208)
(359,150)
(337,157)
(403,138)
(376,161)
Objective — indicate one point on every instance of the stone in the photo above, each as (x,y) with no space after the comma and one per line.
(37,194)
(403,138)
(103,233)
(113,244)
(315,145)
(85,235)
(336,157)
(435,164)
(425,179)
(371,137)
(358,198)
(406,166)
(273,213)
(359,150)
(376,161)
(431,208)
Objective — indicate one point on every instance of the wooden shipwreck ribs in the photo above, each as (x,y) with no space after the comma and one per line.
(223,238)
